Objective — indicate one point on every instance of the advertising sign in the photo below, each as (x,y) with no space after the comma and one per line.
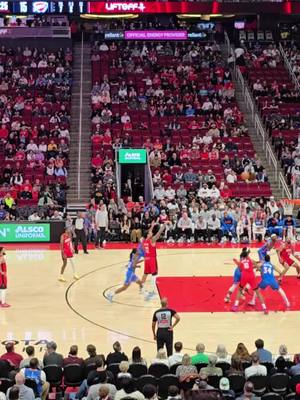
(24,233)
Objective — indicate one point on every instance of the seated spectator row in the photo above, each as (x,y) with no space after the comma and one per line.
(122,377)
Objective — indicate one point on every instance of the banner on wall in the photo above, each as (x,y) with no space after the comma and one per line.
(15,233)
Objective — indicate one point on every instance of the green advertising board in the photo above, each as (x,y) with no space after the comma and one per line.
(24,233)
(132,156)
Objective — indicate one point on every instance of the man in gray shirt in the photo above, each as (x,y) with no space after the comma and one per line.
(25,392)
(93,392)
(51,357)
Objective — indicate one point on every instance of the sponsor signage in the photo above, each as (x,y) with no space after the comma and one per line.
(113,35)
(156,35)
(132,156)
(23,233)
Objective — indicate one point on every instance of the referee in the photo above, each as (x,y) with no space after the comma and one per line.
(80,234)
(163,318)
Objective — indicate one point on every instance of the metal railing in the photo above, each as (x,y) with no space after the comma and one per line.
(285,190)
(118,175)
(260,129)
(270,156)
(80,122)
(289,67)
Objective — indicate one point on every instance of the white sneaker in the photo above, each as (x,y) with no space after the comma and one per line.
(110,297)
(104,242)
(149,296)
(188,241)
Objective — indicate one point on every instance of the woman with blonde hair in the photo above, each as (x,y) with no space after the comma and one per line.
(242,353)
(124,367)
(186,371)
(161,358)
(283,352)
(222,354)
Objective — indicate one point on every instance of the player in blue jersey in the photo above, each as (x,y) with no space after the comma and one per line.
(135,259)
(268,280)
(266,247)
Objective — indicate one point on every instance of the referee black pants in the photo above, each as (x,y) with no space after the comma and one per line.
(164,337)
(80,236)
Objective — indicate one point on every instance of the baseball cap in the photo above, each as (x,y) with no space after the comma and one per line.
(224,384)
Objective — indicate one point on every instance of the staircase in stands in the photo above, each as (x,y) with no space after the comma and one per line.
(80,149)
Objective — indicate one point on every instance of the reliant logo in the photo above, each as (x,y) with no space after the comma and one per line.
(125,7)
(40,7)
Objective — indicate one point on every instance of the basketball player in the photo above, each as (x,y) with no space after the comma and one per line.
(246,266)
(3,279)
(284,252)
(266,247)
(150,265)
(236,281)
(130,277)
(67,252)
(268,280)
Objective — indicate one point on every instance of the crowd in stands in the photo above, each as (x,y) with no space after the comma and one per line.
(188,218)
(117,376)
(35,94)
(278,99)
(177,101)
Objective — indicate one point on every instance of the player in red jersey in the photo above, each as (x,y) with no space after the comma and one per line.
(150,264)
(284,252)
(3,279)
(246,265)
(67,252)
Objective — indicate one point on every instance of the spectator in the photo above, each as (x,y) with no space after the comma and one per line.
(201,383)
(117,356)
(136,357)
(295,369)
(222,354)
(173,393)
(177,356)
(25,392)
(51,357)
(263,354)
(93,391)
(128,390)
(211,368)
(186,371)
(31,354)
(248,393)
(124,367)
(33,372)
(200,356)
(224,386)
(241,353)
(283,352)
(92,352)
(149,392)
(184,227)
(11,356)
(256,369)
(73,357)
(161,357)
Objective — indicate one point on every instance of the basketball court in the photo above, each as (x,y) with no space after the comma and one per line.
(195,279)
